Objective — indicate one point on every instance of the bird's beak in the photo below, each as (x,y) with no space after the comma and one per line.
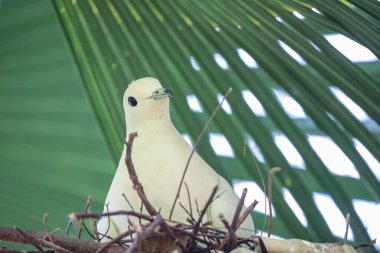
(161,93)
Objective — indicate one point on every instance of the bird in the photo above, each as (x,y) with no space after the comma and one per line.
(159,155)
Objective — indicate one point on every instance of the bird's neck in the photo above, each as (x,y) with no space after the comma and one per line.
(157,123)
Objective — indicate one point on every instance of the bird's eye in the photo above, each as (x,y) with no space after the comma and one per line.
(132,101)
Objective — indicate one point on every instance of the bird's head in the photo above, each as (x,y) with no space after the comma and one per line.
(145,101)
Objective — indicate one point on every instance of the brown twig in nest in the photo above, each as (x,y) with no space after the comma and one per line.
(133,175)
(63,244)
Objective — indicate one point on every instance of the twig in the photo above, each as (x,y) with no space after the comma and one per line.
(189,198)
(133,176)
(193,150)
(347,226)
(89,232)
(86,208)
(247,212)
(365,244)
(108,223)
(69,225)
(129,203)
(46,227)
(204,210)
(4,250)
(191,218)
(114,213)
(190,234)
(50,233)
(114,241)
(235,220)
(71,244)
(54,246)
(263,183)
(157,220)
(31,240)
(50,243)
(271,173)
(231,236)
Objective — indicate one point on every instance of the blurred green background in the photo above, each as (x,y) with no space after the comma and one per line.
(300,102)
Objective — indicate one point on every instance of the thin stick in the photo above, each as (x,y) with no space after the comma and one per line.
(86,208)
(194,147)
(191,218)
(46,227)
(247,212)
(347,226)
(231,236)
(234,224)
(133,175)
(31,240)
(69,225)
(115,213)
(238,210)
(204,210)
(115,241)
(365,244)
(50,233)
(54,246)
(271,173)
(265,191)
(68,243)
(189,198)
(157,221)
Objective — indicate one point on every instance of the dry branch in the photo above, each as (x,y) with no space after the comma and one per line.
(133,175)
(70,244)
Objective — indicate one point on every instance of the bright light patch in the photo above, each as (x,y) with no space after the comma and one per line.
(194,103)
(217,29)
(265,234)
(254,192)
(298,15)
(290,152)
(255,150)
(220,145)
(332,156)
(369,214)
(253,103)
(222,63)
(187,139)
(371,161)
(316,10)
(238,26)
(225,106)
(333,216)
(292,53)
(315,46)
(354,51)
(293,204)
(247,59)
(290,105)
(354,108)
(194,64)
(279,19)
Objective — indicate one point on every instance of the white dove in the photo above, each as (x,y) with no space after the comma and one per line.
(159,155)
